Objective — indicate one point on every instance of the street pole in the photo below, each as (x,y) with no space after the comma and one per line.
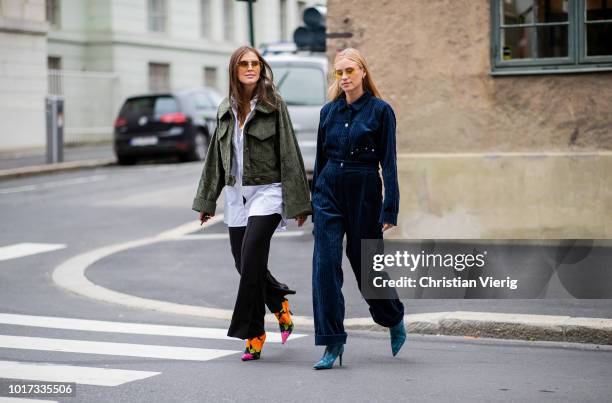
(251,30)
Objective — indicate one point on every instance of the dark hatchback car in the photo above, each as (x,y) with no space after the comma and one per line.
(177,123)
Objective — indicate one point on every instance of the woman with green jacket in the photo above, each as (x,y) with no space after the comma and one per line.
(255,159)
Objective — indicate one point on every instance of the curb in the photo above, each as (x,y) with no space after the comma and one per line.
(58,167)
(502,326)
(70,276)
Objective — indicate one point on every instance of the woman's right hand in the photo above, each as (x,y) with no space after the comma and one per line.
(204,217)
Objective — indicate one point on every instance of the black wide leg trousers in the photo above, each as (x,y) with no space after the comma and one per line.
(258,288)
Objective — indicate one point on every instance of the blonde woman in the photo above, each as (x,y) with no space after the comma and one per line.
(356,136)
(254,156)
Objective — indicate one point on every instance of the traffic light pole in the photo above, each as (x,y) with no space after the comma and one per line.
(251,30)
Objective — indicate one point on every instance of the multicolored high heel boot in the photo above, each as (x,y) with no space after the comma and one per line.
(253,348)
(285,324)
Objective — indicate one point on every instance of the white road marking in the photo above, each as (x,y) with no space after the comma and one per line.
(107,348)
(71,276)
(125,327)
(196,237)
(26,249)
(307,143)
(70,373)
(22,400)
(54,184)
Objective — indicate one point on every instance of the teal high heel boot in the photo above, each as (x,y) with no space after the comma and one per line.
(398,337)
(329,357)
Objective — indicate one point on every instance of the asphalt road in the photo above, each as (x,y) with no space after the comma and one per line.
(81,211)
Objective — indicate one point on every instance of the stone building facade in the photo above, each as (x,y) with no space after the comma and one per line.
(483,153)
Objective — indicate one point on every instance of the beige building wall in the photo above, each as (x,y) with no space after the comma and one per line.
(482,156)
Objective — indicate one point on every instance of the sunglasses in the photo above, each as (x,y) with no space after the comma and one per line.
(349,72)
(246,64)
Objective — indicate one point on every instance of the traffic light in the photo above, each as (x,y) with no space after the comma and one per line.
(312,35)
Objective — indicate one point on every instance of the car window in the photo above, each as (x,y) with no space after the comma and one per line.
(300,85)
(201,101)
(215,98)
(149,106)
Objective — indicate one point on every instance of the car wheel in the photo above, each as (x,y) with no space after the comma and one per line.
(123,160)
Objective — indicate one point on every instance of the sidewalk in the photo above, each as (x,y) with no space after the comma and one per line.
(31,162)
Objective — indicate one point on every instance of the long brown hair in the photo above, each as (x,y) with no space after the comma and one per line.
(334,91)
(265,91)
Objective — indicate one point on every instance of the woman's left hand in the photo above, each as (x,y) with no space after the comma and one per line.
(300,220)
(387,226)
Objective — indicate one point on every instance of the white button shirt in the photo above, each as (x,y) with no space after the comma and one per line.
(242,202)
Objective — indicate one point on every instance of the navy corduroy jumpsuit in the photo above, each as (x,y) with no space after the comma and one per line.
(353,140)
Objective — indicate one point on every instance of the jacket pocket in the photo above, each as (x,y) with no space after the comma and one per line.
(262,129)
(262,141)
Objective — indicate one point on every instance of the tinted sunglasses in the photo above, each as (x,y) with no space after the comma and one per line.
(349,72)
(245,64)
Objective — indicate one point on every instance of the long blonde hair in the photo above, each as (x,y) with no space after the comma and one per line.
(334,91)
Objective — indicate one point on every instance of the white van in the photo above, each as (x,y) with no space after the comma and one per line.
(302,82)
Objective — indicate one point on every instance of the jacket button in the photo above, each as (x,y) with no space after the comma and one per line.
(346,125)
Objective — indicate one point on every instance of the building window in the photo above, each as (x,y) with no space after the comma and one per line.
(543,36)
(598,28)
(159,77)
(54,63)
(205,20)
(55,82)
(53,12)
(158,15)
(301,6)
(210,77)
(228,20)
(283,20)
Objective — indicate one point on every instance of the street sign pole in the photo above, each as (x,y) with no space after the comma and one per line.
(251,28)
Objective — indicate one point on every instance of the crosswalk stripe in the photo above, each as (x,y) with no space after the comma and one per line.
(26,249)
(22,400)
(107,348)
(54,184)
(203,237)
(70,373)
(124,327)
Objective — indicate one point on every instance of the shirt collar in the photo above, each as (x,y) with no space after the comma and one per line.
(356,105)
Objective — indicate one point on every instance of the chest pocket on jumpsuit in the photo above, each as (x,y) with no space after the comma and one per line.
(363,140)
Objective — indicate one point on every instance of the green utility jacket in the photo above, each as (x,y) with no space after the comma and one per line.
(271,154)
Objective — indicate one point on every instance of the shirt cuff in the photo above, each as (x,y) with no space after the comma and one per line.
(206,206)
(387,217)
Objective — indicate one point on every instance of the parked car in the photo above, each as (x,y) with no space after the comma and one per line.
(302,82)
(175,123)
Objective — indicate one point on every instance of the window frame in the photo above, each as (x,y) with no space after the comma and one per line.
(575,62)
(154,79)
(205,19)
(205,75)
(153,15)
(229,25)
(53,13)
(582,37)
